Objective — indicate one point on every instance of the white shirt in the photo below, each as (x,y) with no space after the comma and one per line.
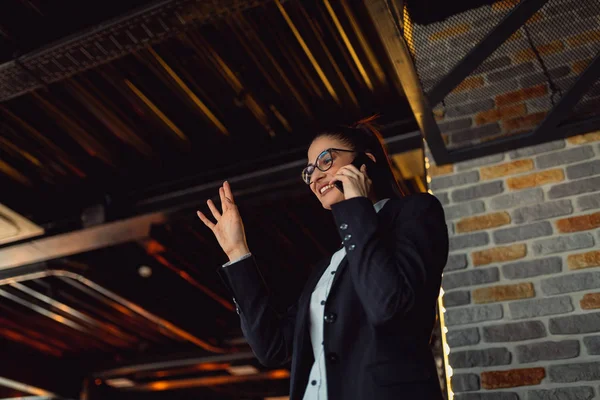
(316,389)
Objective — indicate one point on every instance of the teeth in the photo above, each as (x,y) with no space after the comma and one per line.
(324,188)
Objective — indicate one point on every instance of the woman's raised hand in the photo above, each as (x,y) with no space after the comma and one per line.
(229,228)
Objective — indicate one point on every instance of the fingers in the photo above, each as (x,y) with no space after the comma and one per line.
(351,167)
(213,209)
(224,202)
(228,192)
(206,221)
(341,178)
(353,173)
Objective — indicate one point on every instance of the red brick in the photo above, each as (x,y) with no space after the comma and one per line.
(579,223)
(521,95)
(499,254)
(586,138)
(504,5)
(451,31)
(514,167)
(480,222)
(580,66)
(584,260)
(434,170)
(544,50)
(470,83)
(523,123)
(515,36)
(538,16)
(497,114)
(503,293)
(512,378)
(583,39)
(590,301)
(536,179)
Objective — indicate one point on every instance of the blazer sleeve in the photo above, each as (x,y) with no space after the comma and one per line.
(269,334)
(391,270)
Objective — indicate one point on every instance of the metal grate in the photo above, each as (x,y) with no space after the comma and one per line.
(521,81)
(588,106)
(440,46)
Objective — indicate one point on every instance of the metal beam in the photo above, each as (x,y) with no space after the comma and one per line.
(549,129)
(586,80)
(385,18)
(25,388)
(111,40)
(509,143)
(264,180)
(578,128)
(165,205)
(170,364)
(67,244)
(508,26)
(84,284)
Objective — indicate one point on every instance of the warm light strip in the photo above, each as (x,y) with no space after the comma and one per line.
(25,388)
(309,54)
(124,305)
(340,28)
(442,310)
(364,43)
(156,110)
(14,174)
(209,114)
(408,30)
(208,381)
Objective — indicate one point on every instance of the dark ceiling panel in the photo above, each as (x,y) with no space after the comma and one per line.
(220,99)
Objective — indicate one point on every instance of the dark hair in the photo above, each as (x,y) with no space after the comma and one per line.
(365,137)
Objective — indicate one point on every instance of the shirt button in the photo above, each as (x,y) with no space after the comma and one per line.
(344,227)
(347,237)
(332,272)
(322,302)
(313,383)
(351,247)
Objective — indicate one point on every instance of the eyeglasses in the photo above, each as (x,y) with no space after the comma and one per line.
(323,163)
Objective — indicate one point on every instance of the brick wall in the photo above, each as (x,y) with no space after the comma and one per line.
(509,93)
(522,284)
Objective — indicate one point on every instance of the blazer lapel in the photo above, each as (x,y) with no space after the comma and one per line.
(344,262)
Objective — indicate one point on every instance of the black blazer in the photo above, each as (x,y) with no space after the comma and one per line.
(379,313)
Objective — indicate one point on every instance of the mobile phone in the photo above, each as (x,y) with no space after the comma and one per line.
(358,162)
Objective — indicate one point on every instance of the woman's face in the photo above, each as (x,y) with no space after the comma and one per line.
(327,195)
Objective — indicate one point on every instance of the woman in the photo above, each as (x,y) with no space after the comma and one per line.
(361,327)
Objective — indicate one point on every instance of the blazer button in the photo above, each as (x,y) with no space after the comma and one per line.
(351,247)
(332,358)
(347,237)
(330,318)
(237,308)
(344,227)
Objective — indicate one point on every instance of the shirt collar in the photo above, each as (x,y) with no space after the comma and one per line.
(379,205)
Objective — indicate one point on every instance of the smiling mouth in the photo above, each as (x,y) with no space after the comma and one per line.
(326,189)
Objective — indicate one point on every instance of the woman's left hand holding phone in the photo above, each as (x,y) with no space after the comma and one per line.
(356,182)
